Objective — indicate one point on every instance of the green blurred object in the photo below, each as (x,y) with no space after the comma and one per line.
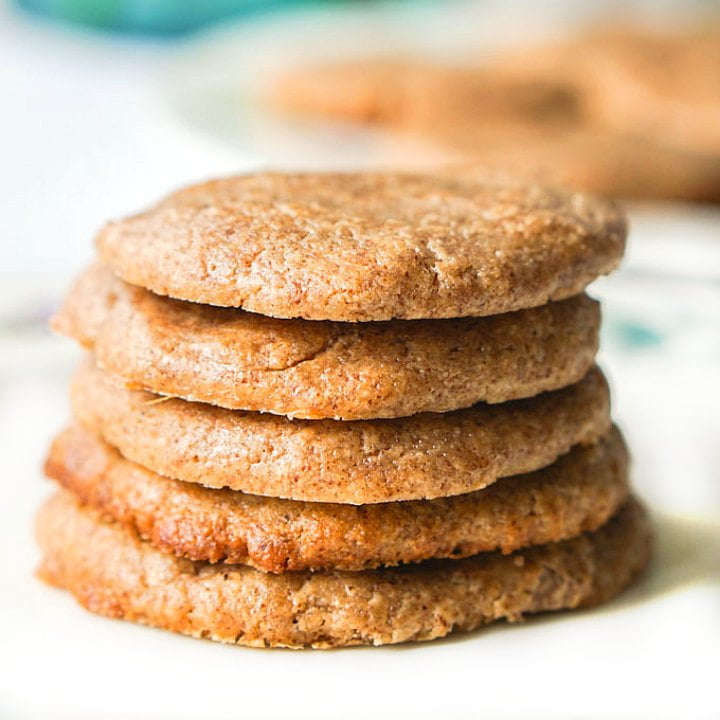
(156,17)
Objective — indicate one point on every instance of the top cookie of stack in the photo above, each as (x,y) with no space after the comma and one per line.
(367,247)
(345,248)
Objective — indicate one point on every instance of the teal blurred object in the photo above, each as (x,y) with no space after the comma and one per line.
(155,17)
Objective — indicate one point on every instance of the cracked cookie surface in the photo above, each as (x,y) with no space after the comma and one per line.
(307,369)
(367,461)
(368,246)
(112,572)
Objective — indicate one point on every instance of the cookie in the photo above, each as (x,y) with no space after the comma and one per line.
(403,94)
(313,370)
(112,572)
(368,246)
(637,81)
(628,113)
(367,461)
(578,492)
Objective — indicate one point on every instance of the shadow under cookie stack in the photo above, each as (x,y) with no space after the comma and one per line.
(338,409)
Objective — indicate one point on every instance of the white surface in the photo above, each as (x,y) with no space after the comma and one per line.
(86,136)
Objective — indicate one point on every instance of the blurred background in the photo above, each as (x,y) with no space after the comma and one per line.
(107,105)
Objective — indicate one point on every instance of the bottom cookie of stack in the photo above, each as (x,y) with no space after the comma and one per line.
(111,571)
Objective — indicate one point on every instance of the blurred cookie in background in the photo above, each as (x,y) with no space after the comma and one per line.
(637,81)
(626,111)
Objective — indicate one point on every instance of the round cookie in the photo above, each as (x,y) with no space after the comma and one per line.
(579,492)
(314,370)
(625,113)
(368,246)
(112,572)
(367,461)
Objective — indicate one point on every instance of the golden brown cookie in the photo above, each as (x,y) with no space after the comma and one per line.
(368,246)
(313,370)
(403,94)
(657,83)
(367,461)
(627,112)
(579,492)
(112,572)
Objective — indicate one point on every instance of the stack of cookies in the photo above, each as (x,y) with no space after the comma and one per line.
(337,409)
